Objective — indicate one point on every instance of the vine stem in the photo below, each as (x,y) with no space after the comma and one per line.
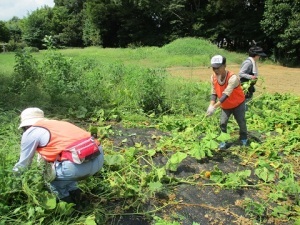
(224,185)
(180,203)
(144,213)
(201,121)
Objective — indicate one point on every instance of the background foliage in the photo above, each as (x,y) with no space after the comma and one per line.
(98,88)
(233,25)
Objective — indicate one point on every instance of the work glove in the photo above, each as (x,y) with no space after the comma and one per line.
(211,109)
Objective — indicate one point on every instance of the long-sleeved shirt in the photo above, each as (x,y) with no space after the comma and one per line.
(31,139)
(247,69)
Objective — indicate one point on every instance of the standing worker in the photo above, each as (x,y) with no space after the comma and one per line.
(70,152)
(249,70)
(227,88)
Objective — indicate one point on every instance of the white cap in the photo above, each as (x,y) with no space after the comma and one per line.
(30,116)
(217,61)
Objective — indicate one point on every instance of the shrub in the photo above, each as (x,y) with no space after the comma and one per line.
(31,49)
(60,79)
(25,70)
(15,46)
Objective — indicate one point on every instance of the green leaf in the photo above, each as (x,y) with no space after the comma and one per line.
(189,130)
(47,200)
(211,144)
(224,137)
(90,220)
(254,145)
(280,211)
(65,208)
(161,172)
(297,222)
(237,178)
(151,152)
(111,160)
(41,220)
(81,112)
(297,209)
(17,210)
(244,173)
(210,136)
(136,188)
(130,152)
(216,175)
(30,213)
(279,130)
(209,153)
(277,195)
(265,174)
(197,153)
(155,186)
(175,160)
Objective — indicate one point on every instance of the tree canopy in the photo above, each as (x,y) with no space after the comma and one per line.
(4,32)
(272,24)
(281,23)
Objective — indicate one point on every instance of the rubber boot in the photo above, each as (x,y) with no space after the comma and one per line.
(67,199)
(222,146)
(244,142)
(76,196)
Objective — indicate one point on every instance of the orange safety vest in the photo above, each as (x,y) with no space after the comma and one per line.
(62,135)
(237,96)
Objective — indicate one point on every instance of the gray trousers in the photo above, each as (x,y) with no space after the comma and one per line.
(239,115)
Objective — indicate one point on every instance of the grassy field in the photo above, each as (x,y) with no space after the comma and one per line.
(162,163)
(187,52)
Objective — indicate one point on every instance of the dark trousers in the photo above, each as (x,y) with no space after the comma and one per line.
(239,115)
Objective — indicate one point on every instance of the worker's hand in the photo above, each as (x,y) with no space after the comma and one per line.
(253,80)
(210,111)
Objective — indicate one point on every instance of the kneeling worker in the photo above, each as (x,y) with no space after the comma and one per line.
(71,152)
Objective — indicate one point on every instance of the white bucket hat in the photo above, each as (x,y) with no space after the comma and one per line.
(30,116)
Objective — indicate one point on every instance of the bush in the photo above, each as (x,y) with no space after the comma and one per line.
(15,46)
(150,86)
(31,49)
(26,70)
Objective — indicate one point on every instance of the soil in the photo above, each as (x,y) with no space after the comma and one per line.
(195,204)
(272,78)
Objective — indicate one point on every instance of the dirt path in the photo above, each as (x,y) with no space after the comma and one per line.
(273,78)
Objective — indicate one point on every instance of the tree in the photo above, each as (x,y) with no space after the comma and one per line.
(36,26)
(281,23)
(236,21)
(138,22)
(91,30)
(14,29)
(73,6)
(91,34)
(4,32)
(70,14)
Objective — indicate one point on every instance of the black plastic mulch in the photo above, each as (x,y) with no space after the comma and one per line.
(205,205)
